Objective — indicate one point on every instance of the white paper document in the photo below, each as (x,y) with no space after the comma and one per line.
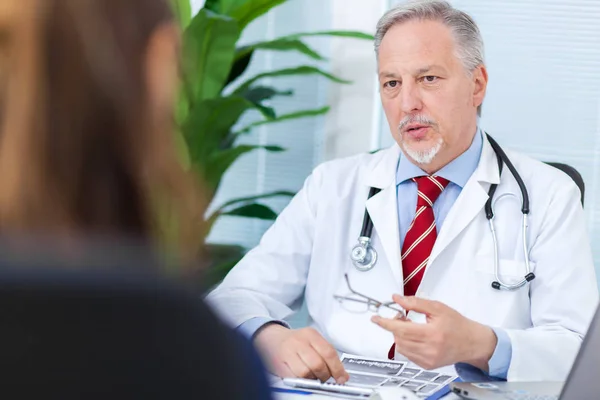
(374,373)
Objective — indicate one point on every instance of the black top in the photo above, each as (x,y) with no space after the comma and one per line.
(114,333)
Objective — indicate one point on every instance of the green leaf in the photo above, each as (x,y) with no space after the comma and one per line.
(286,117)
(220,259)
(246,11)
(255,210)
(275,149)
(244,54)
(346,34)
(182,11)
(208,52)
(303,70)
(182,107)
(268,112)
(281,44)
(258,197)
(221,6)
(183,155)
(212,5)
(216,273)
(210,122)
(210,221)
(219,162)
(239,67)
(261,93)
(298,114)
(213,217)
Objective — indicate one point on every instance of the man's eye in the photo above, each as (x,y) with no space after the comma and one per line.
(391,84)
(430,78)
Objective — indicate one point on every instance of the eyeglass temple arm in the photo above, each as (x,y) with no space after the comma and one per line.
(377,302)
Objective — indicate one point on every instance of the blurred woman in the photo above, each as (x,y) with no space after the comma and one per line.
(87,151)
(86,143)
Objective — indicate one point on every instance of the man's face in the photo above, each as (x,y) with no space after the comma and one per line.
(430,99)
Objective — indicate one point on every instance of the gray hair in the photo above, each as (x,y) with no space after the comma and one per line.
(466,33)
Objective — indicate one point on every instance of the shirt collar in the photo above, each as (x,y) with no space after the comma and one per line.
(458,171)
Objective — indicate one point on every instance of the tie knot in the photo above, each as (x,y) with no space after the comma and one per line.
(430,188)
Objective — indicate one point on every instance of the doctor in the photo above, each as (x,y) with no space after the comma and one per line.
(436,254)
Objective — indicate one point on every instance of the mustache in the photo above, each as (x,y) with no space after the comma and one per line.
(418,119)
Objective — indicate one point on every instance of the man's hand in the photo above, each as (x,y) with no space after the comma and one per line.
(447,338)
(301,353)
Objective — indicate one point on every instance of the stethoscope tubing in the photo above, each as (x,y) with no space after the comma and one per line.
(364,256)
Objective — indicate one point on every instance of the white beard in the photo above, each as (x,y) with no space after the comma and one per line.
(424,157)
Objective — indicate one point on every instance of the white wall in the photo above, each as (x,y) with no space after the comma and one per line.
(355,109)
(196,5)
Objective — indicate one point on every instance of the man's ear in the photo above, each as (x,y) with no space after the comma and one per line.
(480,80)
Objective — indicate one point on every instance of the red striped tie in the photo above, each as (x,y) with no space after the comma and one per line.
(420,236)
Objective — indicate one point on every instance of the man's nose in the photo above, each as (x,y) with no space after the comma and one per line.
(410,99)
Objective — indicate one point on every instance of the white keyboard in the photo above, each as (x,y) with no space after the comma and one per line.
(325,386)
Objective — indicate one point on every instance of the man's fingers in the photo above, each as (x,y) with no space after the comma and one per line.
(401,317)
(390,325)
(420,305)
(404,329)
(412,346)
(413,356)
(315,363)
(418,353)
(282,370)
(330,356)
(298,367)
(306,354)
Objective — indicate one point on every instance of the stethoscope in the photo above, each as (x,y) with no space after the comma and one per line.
(364,256)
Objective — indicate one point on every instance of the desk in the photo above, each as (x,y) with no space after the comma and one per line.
(293,396)
(290,396)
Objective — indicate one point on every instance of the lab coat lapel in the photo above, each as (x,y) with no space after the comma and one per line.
(383,209)
(470,202)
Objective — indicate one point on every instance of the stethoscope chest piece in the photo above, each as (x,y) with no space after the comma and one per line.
(363,255)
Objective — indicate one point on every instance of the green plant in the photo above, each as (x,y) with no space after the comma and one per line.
(214,97)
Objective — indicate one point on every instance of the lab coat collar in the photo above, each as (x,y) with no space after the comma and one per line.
(457,171)
(383,172)
(469,203)
(487,170)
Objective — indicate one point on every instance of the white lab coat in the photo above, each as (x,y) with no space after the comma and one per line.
(306,253)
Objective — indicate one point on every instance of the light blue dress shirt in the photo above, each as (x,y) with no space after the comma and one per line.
(458,173)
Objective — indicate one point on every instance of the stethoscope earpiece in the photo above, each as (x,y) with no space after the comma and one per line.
(529,277)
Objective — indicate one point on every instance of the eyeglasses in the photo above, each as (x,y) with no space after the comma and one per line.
(359,303)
